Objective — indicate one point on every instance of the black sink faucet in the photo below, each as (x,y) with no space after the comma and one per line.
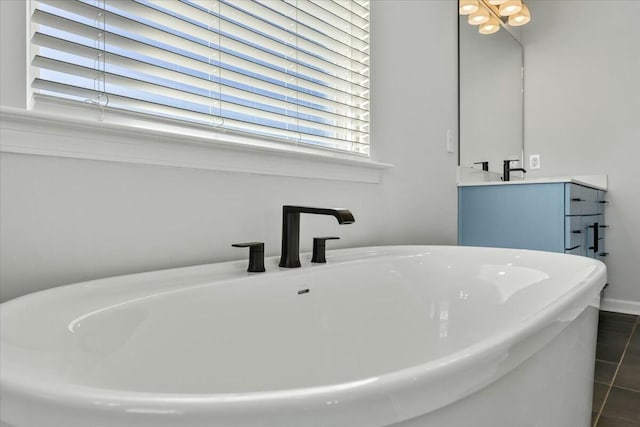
(507,169)
(485,165)
(290,257)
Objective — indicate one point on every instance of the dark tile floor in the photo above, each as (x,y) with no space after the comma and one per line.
(616,387)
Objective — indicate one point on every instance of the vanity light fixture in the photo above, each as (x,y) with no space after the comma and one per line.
(520,18)
(479,17)
(490,15)
(510,7)
(490,27)
(467,7)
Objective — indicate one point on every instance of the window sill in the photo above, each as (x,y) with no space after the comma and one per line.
(46,134)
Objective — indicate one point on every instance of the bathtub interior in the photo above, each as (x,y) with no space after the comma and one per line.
(366,313)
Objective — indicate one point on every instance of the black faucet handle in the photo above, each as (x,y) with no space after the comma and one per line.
(256,255)
(485,165)
(320,247)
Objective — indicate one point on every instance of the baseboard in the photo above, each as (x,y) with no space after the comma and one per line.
(620,306)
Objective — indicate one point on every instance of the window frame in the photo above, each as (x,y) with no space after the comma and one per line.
(138,140)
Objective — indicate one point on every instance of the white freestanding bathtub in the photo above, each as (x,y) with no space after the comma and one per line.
(408,336)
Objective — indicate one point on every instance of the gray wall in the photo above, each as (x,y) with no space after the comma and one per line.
(582,111)
(13,69)
(65,220)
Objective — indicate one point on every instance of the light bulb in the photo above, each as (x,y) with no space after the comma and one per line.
(510,7)
(467,7)
(479,17)
(520,18)
(496,2)
(490,27)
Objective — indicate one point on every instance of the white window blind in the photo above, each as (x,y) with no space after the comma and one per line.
(293,70)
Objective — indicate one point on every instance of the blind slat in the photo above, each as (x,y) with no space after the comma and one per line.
(310,78)
(345,11)
(331,112)
(341,45)
(333,87)
(279,114)
(258,46)
(122,102)
(291,70)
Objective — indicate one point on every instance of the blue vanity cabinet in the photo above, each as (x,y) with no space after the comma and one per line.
(556,217)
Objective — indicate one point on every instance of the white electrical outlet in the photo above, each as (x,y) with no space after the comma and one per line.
(534,161)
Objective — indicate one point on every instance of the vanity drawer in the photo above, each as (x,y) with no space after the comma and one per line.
(581,200)
(574,232)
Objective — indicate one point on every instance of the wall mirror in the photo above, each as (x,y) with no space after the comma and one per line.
(491,97)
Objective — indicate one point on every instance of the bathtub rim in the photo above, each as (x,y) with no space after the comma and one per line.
(352,393)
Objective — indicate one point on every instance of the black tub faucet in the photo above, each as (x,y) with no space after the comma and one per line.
(320,249)
(256,255)
(507,169)
(290,257)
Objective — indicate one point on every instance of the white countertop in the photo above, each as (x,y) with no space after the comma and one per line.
(469,177)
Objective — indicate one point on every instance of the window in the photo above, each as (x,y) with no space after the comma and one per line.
(292,70)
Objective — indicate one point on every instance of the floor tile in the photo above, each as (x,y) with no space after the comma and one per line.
(615,422)
(615,322)
(623,404)
(629,372)
(613,336)
(634,343)
(611,346)
(599,391)
(604,372)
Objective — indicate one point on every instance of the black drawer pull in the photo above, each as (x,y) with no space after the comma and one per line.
(603,201)
(570,249)
(576,231)
(577,199)
(604,226)
(595,227)
(603,254)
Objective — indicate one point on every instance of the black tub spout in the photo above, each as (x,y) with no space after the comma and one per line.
(290,257)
